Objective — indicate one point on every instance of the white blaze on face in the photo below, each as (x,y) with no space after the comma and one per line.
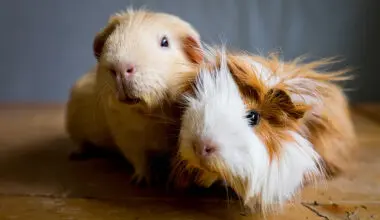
(217,113)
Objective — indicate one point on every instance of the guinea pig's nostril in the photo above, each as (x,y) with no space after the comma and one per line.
(209,149)
(204,148)
(130,69)
(123,68)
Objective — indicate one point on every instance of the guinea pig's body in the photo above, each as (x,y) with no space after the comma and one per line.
(123,102)
(86,121)
(264,126)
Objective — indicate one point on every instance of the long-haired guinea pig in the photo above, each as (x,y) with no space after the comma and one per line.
(263,126)
(122,101)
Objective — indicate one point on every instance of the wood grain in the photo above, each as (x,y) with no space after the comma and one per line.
(38,181)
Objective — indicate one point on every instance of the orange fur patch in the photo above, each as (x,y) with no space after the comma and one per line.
(192,49)
(102,36)
(329,129)
(278,112)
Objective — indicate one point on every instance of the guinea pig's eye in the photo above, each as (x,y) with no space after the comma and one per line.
(253,117)
(164,42)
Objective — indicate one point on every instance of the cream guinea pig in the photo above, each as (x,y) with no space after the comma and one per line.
(123,101)
(263,126)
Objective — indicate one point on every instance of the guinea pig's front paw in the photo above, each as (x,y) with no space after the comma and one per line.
(254,206)
(141,178)
(206,179)
(85,151)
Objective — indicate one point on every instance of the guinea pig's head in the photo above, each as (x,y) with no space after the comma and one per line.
(242,126)
(139,54)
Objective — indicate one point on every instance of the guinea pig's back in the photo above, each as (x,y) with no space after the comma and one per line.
(328,124)
(85,121)
(336,140)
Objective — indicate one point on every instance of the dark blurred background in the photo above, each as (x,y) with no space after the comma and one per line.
(47,44)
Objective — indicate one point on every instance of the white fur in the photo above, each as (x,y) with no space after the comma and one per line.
(85,121)
(286,174)
(94,112)
(217,112)
(95,115)
(137,41)
(303,92)
(265,74)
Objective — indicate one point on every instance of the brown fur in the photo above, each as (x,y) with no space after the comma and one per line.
(192,49)
(329,129)
(327,125)
(101,37)
(273,104)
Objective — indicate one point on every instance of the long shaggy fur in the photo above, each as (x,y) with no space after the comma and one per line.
(305,132)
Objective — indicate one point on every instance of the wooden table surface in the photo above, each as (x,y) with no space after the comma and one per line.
(38,181)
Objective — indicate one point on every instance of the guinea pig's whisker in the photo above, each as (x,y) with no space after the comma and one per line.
(99,98)
(177,170)
(228,179)
(148,69)
(161,119)
(151,74)
(183,64)
(181,166)
(226,189)
(109,86)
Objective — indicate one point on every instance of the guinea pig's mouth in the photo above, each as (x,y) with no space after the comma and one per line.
(203,164)
(202,167)
(127,98)
(122,92)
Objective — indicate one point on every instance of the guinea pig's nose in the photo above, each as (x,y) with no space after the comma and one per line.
(205,148)
(125,68)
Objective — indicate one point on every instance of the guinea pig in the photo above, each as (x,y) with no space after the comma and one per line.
(263,126)
(123,102)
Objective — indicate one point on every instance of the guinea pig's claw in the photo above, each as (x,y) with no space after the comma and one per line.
(206,180)
(140,179)
(84,152)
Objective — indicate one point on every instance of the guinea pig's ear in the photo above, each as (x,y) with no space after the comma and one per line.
(102,36)
(192,48)
(277,101)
